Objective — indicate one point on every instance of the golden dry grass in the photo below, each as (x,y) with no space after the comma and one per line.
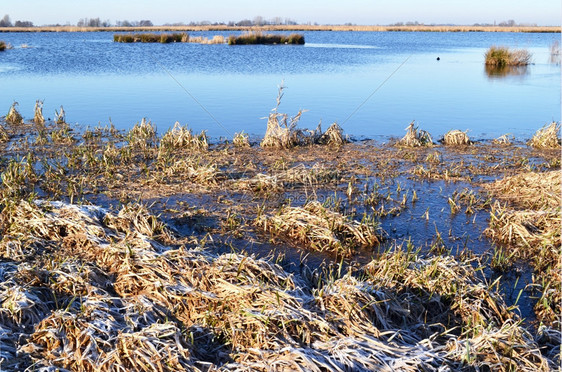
(456,138)
(548,137)
(321,228)
(530,224)
(111,295)
(415,137)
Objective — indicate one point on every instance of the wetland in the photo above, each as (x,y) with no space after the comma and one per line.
(244,244)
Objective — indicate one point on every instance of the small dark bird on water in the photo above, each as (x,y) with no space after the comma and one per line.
(439,59)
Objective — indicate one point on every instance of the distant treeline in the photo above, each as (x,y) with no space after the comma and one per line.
(6,22)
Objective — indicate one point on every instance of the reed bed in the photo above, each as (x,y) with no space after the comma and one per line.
(503,56)
(415,137)
(321,229)
(261,38)
(548,137)
(456,138)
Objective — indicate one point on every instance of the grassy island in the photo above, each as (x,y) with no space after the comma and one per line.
(259,38)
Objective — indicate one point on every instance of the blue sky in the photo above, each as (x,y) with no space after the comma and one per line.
(542,12)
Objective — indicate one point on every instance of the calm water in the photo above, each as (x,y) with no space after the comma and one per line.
(336,76)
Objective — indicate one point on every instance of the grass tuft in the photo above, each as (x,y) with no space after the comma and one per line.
(14,117)
(547,137)
(456,138)
(503,56)
(415,137)
(38,118)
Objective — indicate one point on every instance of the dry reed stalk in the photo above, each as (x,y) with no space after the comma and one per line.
(14,117)
(38,118)
(281,132)
(456,138)
(321,229)
(548,137)
(502,140)
(60,116)
(415,137)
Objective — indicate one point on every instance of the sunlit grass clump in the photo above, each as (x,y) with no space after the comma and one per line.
(547,137)
(416,137)
(259,38)
(14,117)
(456,138)
(503,56)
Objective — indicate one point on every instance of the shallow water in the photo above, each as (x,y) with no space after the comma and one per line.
(372,83)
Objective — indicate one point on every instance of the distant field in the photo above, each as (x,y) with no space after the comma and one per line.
(552,29)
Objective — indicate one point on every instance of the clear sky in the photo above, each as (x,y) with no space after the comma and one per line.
(40,12)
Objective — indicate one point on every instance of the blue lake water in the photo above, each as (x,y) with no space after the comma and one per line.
(372,83)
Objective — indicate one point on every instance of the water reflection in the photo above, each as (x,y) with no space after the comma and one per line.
(498,72)
(555,53)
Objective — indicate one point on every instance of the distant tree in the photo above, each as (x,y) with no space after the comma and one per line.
(145,23)
(244,22)
(124,23)
(23,24)
(5,22)
(94,22)
(510,23)
(259,21)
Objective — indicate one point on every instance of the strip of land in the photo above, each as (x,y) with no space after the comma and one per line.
(417,28)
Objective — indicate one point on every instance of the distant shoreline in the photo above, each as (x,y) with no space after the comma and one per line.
(418,28)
